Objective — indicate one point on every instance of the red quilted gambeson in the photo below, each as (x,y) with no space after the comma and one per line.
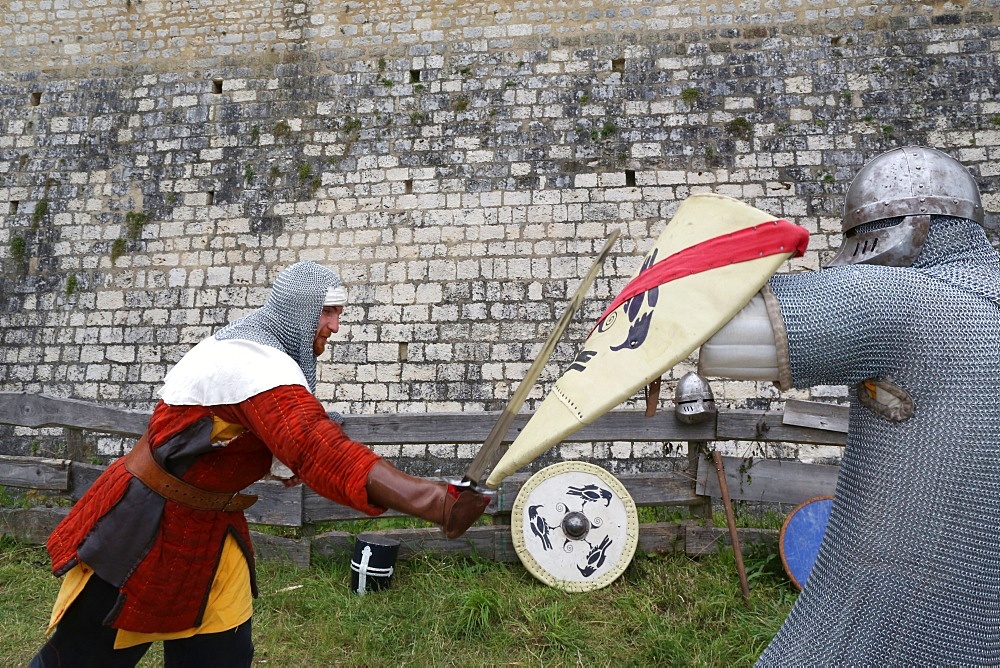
(169,586)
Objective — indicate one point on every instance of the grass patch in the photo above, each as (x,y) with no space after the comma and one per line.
(41,208)
(18,247)
(134,222)
(118,248)
(740,128)
(28,591)
(664,610)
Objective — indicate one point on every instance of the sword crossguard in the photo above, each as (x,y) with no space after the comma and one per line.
(465,483)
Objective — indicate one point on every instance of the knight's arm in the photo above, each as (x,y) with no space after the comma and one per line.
(296,428)
(751,346)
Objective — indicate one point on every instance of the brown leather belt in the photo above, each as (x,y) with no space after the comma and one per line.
(140,463)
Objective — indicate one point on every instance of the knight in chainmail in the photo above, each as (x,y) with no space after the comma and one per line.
(908,317)
(158,549)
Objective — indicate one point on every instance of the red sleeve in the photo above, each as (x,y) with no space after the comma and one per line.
(295,427)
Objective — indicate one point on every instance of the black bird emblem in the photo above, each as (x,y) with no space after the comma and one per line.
(591,493)
(539,527)
(596,557)
(639,328)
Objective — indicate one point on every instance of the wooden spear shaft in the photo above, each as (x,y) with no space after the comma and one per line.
(727,503)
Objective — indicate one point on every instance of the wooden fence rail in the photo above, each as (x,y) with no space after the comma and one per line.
(774,481)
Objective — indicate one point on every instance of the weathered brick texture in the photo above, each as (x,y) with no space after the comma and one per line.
(458,162)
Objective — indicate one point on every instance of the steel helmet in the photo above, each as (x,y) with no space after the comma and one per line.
(912,183)
(693,399)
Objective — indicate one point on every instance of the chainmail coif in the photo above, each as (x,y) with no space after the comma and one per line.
(909,569)
(289,318)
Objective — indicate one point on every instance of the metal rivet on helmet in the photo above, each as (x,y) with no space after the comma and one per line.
(891,181)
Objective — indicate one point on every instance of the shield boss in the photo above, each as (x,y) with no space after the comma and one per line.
(574,526)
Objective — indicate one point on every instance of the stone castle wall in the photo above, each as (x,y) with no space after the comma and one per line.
(459,163)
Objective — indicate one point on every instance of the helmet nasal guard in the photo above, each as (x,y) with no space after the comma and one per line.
(912,183)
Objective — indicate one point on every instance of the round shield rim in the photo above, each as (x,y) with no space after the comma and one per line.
(539,571)
(784,527)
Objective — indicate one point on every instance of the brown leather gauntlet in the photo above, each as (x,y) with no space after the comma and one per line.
(453,508)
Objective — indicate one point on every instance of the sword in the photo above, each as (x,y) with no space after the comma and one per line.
(492,449)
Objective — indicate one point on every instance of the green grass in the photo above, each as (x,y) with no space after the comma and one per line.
(664,611)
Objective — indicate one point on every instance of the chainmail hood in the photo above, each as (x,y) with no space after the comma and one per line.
(288,319)
(958,252)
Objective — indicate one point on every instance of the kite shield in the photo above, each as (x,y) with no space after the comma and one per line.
(710,260)
(575,526)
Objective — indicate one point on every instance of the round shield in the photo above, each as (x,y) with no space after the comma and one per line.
(801,535)
(574,526)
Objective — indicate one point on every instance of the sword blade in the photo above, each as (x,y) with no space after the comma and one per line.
(493,448)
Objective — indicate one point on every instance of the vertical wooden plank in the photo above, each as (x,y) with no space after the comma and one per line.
(702,511)
(77,448)
(81,477)
(276,505)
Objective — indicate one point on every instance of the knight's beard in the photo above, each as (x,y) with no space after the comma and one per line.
(319,345)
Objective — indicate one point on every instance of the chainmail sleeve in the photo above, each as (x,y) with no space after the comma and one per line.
(837,322)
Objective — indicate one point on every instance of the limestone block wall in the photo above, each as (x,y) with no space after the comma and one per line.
(459,163)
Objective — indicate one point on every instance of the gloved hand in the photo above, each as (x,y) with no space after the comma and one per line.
(453,508)
(462,510)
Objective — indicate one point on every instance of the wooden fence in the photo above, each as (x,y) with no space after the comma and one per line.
(770,481)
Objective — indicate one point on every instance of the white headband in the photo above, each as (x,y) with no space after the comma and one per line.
(335,296)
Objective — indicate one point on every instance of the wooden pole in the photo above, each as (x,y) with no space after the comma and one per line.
(731,521)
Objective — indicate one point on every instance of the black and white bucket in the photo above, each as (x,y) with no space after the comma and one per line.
(373,563)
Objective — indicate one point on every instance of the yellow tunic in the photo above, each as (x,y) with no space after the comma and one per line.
(230,602)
